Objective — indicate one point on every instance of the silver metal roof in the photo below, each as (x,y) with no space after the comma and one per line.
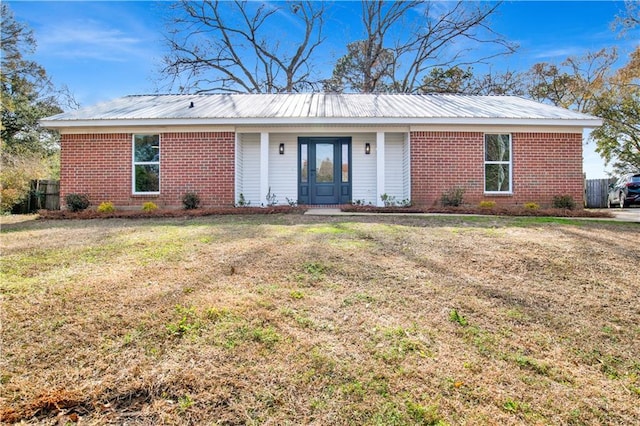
(318,108)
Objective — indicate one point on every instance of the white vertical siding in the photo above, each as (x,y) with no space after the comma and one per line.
(394,165)
(264,166)
(249,174)
(381,180)
(363,169)
(283,169)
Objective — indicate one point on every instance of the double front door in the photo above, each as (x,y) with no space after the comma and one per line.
(324,171)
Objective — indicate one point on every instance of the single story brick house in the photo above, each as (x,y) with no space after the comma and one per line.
(320,149)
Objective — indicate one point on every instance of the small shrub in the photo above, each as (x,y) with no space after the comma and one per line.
(242,202)
(564,202)
(77,202)
(272,199)
(149,206)
(531,206)
(388,200)
(487,204)
(292,203)
(453,197)
(9,197)
(106,207)
(190,201)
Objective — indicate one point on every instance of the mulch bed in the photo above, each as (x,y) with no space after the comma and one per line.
(138,214)
(492,211)
(470,210)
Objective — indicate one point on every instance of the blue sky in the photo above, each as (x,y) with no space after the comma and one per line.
(103,50)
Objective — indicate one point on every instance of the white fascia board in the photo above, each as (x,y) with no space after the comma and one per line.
(373,121)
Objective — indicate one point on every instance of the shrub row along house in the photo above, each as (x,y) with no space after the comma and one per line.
(320,149)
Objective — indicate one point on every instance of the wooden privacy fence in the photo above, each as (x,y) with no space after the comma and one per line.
(44,194)
(50,194)
(595,193)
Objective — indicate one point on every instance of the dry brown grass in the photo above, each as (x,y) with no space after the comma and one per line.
(301,320)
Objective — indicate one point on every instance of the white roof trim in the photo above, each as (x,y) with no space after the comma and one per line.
(61,124)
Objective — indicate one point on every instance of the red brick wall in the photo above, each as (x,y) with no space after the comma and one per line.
(544,165)
(99,165)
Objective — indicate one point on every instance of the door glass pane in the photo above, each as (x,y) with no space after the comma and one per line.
(324,162)
(304,163)
(345,162)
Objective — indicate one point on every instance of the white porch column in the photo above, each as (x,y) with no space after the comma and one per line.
(407,160)
(380,160)
(264,167)
(237,164)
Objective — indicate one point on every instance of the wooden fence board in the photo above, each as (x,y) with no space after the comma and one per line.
(51,193)
(596,191)
(44,194)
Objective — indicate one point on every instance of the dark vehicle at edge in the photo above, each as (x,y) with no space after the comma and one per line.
(625,191)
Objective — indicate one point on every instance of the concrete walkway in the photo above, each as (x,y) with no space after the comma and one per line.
(625,215)
(324,212)
(620,215)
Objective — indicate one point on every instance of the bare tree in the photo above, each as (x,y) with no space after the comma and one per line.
(452,80)
(362,70)
(418,36)
(505,83)
(575,83)
(231,47)
(464,81)
(629,19)
(618,104)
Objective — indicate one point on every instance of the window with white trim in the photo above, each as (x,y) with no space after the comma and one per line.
(497,163)
(146,164)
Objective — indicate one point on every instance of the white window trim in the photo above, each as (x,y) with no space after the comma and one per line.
(484,165)
(135,163)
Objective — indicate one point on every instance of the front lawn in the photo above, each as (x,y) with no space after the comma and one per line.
(291,319)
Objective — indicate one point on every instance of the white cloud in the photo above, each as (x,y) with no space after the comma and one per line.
(90,39)
(561,53)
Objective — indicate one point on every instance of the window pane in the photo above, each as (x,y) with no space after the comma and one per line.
(146,148)
(496,178)
(147,178)
(345,162)
(497,148)
(324,162)
(304,163)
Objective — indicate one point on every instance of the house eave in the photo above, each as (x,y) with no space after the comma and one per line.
(372,121)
